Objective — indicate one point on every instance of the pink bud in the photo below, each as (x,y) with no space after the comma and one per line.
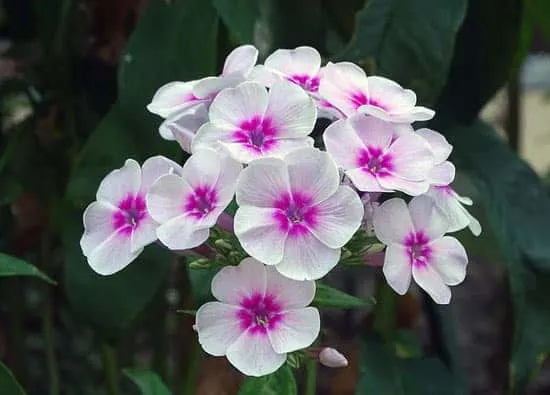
(331,358)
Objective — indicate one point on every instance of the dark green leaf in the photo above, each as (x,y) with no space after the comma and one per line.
(411,41)
(282,382)
(200,280)
(518,208)
(382,372)
(240,17)
(326,296)
(163,48)
(149,383)
(12,266)
(538,12)
(8,383)
(486,50)
(110,303)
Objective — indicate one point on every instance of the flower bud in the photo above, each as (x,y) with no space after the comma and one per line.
(332,358)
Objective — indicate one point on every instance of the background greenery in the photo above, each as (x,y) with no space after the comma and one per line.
(82,71)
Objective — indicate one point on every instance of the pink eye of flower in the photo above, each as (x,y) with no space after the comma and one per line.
(307,82)
(257,133)
(201,202)
(418,249)
(131,211)
(259,313)
(375,161)
(295,213)
(359,99)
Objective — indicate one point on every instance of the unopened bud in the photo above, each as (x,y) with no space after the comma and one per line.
(200,263)
(332,358)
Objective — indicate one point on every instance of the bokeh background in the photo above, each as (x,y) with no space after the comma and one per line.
(75,76)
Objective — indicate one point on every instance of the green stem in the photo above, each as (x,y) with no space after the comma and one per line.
(110,365)
(47,328)
(190,384)
(311,377)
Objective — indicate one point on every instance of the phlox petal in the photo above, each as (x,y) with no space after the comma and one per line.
(262,183)
(202,169)
(429,280)
(367,182)
(259,233)
(253,355)
(154,168)
(98,225)
(113,255)
(207,88)
(340,82)
(143,234)
(218,327)
(183,127)
(339,217)
(241,60)
(291,110)
(183,232)
(424,218)
(172,98)
(232,283)
(165,198)
(313,173)
(412,188)
(372,131)
(291,294)
(412,157)
(397,268)
(392,221)
(442,174)
(449,259)
(298,329)
(306,258)
(302,61)
(120,183)
(450,207)
(390,94)
(343,143)
(439,145)
(233,106)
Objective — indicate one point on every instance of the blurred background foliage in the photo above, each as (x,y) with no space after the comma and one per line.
(75,76)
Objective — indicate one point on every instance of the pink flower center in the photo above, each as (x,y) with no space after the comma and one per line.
(131,211)
(259,313)
(295,213)
(418,249)
(256,134)
(310,84)
(201,202)
(444,188)
(359,99)
(374,161)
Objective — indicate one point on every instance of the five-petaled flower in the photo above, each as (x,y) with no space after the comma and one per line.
(417,247)
(294,214)
(450,206)
(346,87)
(117,226)
(250,122)
(184,105)
(187,205)
(379,156)
(259,317)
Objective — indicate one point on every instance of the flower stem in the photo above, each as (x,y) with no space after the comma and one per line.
(190,384)
(311,377)
(51,360)
(110,366)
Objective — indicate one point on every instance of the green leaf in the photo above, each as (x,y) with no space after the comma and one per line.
(282,382)
(149,383)
(517,204)
(382,372)
(200,280)
(8,383)
(538,11)
(240,17)
(12,266)
(486,51)
(110,303)
(411,41)
(326,296)
(163,48)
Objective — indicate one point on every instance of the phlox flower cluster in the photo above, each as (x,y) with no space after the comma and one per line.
(299,202)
